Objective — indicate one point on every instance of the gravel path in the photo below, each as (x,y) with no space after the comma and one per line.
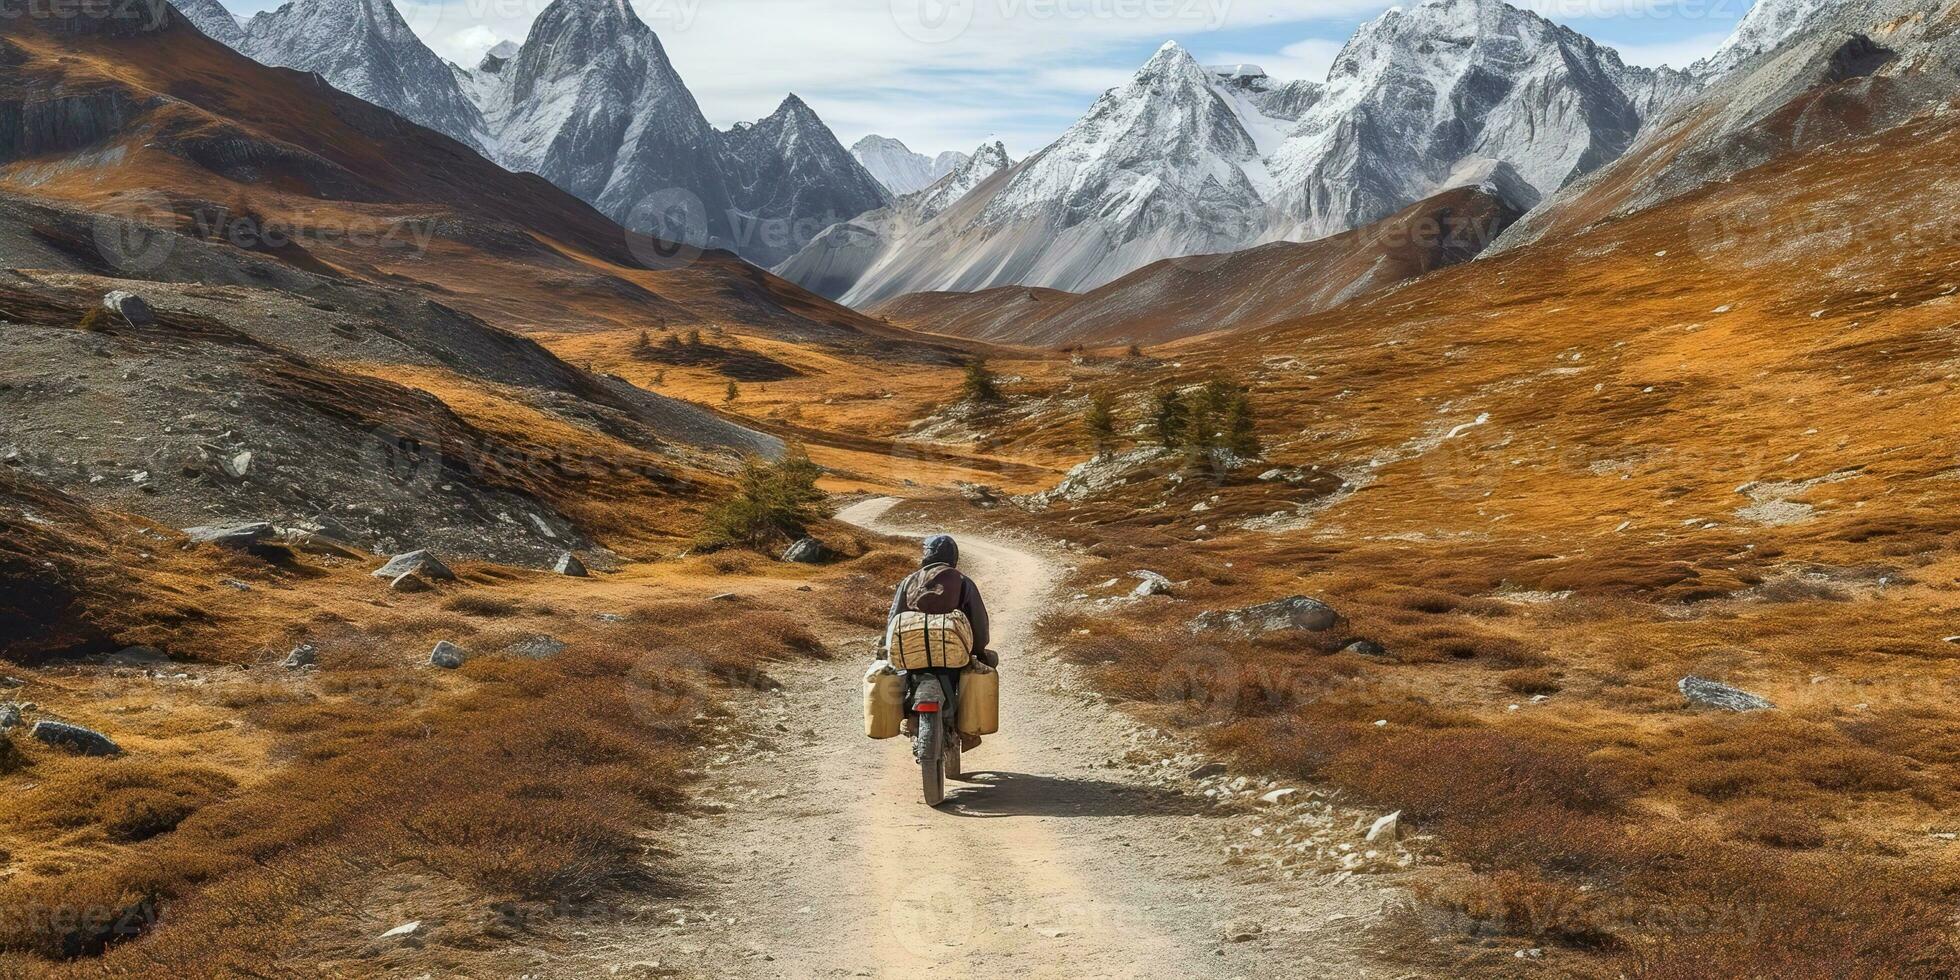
(1080,847)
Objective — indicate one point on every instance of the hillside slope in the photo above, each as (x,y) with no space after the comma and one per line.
(1185,297)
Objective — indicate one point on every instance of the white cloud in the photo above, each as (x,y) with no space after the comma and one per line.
(1307,59)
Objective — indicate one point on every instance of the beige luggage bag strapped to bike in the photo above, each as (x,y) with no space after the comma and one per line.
(920,640)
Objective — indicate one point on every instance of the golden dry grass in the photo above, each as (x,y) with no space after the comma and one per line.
(1576,474)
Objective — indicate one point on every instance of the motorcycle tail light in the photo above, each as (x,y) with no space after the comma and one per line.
(927,706)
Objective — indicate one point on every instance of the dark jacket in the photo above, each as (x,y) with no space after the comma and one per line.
(942,550)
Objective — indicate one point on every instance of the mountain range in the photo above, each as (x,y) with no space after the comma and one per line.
(1181,160)
(898,168)
(591,102)
(1184,159)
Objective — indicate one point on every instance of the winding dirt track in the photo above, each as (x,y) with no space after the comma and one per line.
(1047,863)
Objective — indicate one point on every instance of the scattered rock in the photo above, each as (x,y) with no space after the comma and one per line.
(1702,691)
(807,551)
(1291,613)
(725,597)
(1207,770)
(11,682)
(1280,795)
(1149,583)
(232,535)
(315,542)
(74,738)
(536,648)
(237,465)
(978,494)
(403,930)
(1365,648)
(410,582)
(1241,932)
(134,309)
(568,564)
(446,655)
(423,563)
(9,717)
(303,655)
(137,656)
(1387,828)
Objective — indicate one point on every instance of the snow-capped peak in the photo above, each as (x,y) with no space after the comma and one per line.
(985,161)
(1182,159)
(1768,24)
(213,19)
(899,169)
(366,49)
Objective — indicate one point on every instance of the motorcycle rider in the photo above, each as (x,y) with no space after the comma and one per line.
(941,553)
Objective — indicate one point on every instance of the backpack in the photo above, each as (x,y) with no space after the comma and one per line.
(936,589)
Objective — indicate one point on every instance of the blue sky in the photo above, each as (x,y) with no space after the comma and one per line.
(947,74)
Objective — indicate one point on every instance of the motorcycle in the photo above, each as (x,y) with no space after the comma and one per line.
(932,699)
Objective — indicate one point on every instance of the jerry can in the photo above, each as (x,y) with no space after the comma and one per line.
(979,700)
(884,701)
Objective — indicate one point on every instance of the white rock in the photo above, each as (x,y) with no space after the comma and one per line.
(405,929)
(1279,795)
(1388,827)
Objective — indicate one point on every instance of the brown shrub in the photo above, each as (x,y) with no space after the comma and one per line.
(1776,826)
(1530,681)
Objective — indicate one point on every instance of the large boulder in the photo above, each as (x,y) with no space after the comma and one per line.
(423,563)
(1710,694)
(132,308)
(74,738)
(568,564)
(1291,613)
(447,655)
(1149,583)
(807,551)
(304,655)
(233,535)
(9,716)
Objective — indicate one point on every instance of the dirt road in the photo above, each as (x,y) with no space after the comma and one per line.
(1054,860)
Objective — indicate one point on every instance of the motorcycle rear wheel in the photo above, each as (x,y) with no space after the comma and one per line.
(932,757)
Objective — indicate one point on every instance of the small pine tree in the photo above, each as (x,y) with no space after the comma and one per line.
(979,384)
(660,377)
(1202,408)
(770,503)
(1099,421)
(1134,352)
(671,342)
(732,393)
(694,338)
(1168,417)
(644,345)
(1238,426)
